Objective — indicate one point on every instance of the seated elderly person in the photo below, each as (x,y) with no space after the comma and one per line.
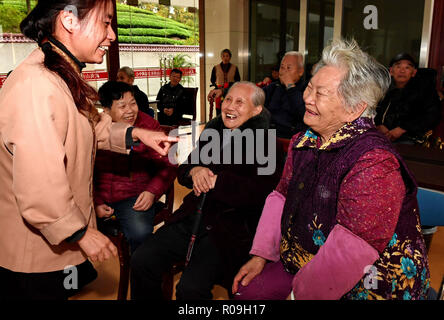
(343,223)
(235,189)
(411,106)
(129,185)
(172,100)
(283,98)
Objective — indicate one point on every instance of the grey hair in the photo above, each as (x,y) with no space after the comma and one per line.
(258,96)
(296,54)
(128,71)
(365,80)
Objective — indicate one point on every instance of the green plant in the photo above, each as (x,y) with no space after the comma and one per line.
(179,61)
(143,26)
(10,18)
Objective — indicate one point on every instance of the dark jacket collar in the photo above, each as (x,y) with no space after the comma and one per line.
(52,42)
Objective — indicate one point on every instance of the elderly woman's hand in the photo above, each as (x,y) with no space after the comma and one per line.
(382,128)
(395,133)
(157,140)
(203,180)
(248,272)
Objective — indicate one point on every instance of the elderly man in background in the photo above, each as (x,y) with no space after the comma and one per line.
(172,100)
(126,74)
(343,223)
(284,97)
(411,106)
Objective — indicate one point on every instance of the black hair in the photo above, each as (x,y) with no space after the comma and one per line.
(39,26)
(175,70)
(227,51)
(113,90)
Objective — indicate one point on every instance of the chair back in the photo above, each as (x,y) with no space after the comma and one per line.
(190,106)
(431,207)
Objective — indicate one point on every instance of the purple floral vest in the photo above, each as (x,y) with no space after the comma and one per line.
(311,207)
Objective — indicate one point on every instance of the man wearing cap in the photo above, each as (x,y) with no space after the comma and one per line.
(411,106)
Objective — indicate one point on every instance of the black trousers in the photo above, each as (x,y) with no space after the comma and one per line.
(170,245)
(56,285)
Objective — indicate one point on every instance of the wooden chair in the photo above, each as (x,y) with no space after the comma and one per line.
(112,230)
(190,107)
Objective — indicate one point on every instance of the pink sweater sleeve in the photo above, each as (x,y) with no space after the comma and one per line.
(268,232)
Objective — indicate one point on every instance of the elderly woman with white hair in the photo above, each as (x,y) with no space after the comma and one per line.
(343,223)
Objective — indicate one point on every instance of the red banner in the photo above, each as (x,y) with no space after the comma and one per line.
(96,75)
(147,73)
(140,73)
(143,73)
(2,79)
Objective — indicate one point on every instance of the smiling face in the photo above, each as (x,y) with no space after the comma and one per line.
(238,107)
(324,109)
(175,78)
(93,36)
(290,69)
(125,109)
(402,71)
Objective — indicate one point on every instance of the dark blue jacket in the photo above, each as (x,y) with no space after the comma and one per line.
(287,108)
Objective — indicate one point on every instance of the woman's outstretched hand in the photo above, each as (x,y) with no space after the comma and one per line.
(156,140)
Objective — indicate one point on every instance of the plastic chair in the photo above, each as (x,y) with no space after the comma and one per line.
(431,210)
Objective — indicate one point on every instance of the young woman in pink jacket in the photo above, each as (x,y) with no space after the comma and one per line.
(49,132)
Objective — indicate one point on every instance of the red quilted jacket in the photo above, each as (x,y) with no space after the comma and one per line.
(120,176)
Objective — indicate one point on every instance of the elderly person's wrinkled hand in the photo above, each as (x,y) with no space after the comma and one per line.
(248,272)
(157,140)
(395,133)
(203,180)
(97,246)
(382,128)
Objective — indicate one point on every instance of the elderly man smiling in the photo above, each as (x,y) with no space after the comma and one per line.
(235,197)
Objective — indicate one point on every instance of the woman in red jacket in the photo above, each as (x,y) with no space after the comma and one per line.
(129,185)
